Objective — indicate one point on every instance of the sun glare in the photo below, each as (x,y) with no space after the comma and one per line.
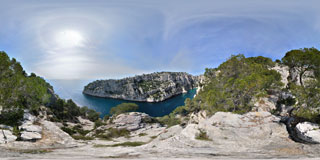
(69,38)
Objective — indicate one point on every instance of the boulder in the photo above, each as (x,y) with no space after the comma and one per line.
(29,117)
(191,131)
(31,128)
(54,136)
(86,124)
(6,136)
(132,121)
(30,136)
(30,131)
(308,131)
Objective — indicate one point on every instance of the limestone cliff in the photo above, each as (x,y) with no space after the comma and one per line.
(152,87)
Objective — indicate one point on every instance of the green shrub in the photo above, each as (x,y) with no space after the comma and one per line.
(98,123)
(68,130)
(169,121)
(142,134)
(203,136)
(112,133)
(11,117)
(123,108)
(81,137)
(16,131)
(124,144)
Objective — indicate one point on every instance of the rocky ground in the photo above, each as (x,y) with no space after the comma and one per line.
(223,135)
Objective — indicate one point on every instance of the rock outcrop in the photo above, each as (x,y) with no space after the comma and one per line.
(132,121)
(284,72)
(30,131)
(152,87)
(6,136)
(308,131)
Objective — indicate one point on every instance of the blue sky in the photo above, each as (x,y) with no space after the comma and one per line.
(98,39)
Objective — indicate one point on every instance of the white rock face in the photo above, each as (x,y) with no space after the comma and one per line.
(6,136)
(295,76)
(250,129)
(284,72)
(308,131)
(265,103)
(251,133)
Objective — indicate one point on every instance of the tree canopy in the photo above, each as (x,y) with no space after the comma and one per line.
(303,60)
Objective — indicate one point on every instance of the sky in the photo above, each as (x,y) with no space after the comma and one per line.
(101,39)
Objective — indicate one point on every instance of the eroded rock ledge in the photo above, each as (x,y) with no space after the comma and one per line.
(154,87)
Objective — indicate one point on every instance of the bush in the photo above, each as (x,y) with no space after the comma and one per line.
(92,115)
(11,117)
(98,123)
(129,144)
(123,108)
(169,121)
(81,137)
(112,133)
(125,144)
(203,136)
(68,130)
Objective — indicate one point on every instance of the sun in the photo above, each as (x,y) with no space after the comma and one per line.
(69,38)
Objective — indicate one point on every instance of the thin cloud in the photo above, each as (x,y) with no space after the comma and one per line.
(121,38)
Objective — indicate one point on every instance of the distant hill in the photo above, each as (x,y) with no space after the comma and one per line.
(152,87)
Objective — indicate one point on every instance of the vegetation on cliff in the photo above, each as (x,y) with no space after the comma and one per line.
(237,82)
(20,91)
(233,85)
(306,62)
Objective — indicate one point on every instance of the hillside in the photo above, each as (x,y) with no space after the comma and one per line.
(244,84)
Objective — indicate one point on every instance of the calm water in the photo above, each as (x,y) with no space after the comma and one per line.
(72,89)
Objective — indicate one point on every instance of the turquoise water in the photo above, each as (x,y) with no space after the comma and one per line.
(72,89)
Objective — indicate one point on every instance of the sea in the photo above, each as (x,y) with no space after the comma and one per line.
(72,89)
